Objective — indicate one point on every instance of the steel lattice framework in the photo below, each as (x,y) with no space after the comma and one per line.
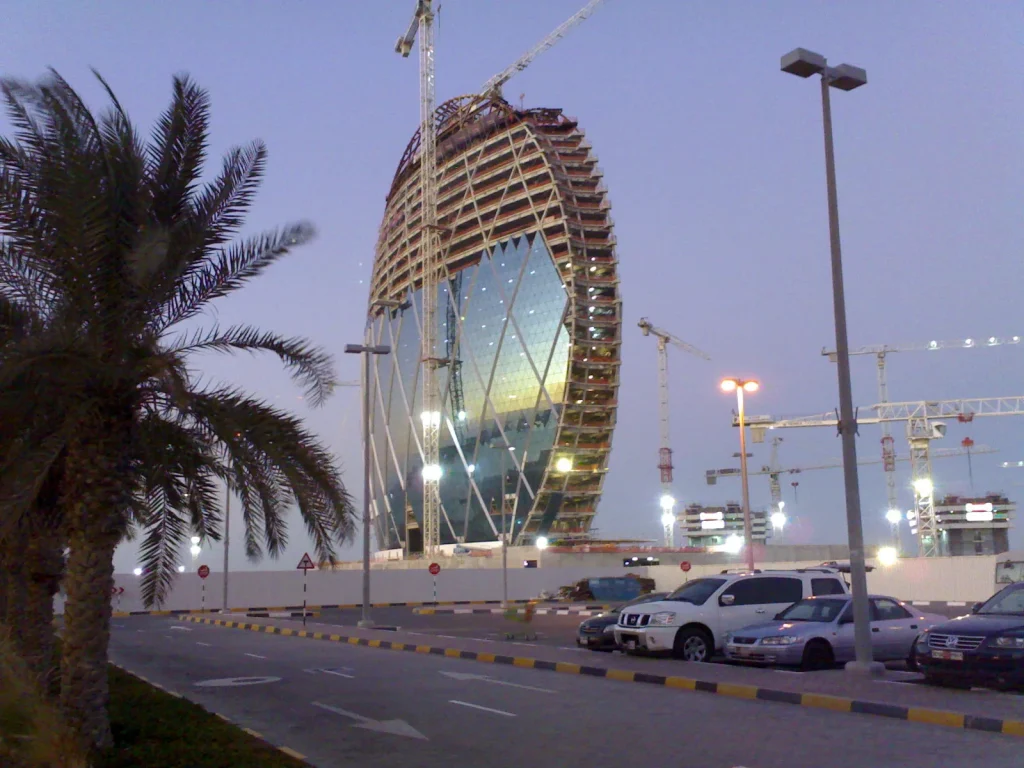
(920,417)
(504,173)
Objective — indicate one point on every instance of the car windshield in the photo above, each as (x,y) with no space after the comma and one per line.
(815,609)
(696,591)
(1009,602)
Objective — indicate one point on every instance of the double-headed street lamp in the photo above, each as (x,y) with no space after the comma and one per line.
(804,63)
(740,386)
(367,350)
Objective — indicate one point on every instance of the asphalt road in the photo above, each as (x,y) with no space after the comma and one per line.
(343,705)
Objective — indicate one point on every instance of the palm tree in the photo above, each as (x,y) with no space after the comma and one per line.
(116,243)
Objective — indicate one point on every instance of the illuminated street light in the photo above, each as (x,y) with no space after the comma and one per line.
(137,571)
(181,569)
(739,386)
(564,464)
(923,486)
(733,544)
(894,516)
(667,519)
(778,521)
(887,556)
(542,542)
(432,472)
(667,502)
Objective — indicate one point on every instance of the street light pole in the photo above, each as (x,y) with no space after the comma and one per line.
(742,386)
(845,77)
(504,447)
(366,350)
(227,541)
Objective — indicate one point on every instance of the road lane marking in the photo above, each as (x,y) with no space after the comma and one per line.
(482,709)
(292,753)
(181,629)
(325,671)
(208,645)
(231,682)
(256,656)
(485,679)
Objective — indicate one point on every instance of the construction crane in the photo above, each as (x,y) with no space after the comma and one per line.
(923,426)
(774,470)
(880,351)
(422,26)
(668,502)
(492,88)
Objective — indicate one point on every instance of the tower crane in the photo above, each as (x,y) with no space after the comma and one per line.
(880,351)
(422,26)
(492,88)
(774,470)
(668,502)
(923,426)
(421,29)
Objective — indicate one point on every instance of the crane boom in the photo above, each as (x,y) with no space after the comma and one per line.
(494,85)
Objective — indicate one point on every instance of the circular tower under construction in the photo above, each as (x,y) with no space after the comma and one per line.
(527,316)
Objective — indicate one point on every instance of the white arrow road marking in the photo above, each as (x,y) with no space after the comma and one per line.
(483,709)
(492,681)
(181,629)
(394,727)
(255,656)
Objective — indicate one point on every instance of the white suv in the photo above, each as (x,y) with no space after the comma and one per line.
(691,623)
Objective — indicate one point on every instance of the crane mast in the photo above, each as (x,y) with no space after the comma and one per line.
(667,502)
(921,418)
(880,351)
(422,26)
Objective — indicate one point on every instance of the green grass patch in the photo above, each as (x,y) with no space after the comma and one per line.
(152,728)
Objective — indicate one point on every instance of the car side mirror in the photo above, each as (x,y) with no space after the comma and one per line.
(727,599)
(976,607)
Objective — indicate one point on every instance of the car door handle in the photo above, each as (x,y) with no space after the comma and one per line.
(760,610)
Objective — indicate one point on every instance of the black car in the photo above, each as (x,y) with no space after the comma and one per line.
(597,633)
(985,648)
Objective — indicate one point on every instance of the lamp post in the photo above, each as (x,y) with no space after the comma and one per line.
(366,350)
(845,77)
(505,448)
(740,386)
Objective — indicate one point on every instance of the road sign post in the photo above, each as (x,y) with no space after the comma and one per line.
(203,571)
(305,565)
(434,570)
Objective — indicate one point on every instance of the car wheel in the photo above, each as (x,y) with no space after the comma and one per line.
(912,659)
(818,655)
(692,644)
(947,682)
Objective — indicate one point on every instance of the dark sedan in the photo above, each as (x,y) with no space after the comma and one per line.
(985,648)
(598,632)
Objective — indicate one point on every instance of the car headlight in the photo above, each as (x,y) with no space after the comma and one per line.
(610,628)
(1009,641)
(728,638)
(780,640)
(663,618)
(922,639)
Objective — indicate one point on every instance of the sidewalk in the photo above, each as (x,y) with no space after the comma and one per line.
(890,696)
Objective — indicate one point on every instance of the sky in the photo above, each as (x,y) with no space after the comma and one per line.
(715,168)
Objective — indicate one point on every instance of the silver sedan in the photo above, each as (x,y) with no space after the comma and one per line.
(817,633)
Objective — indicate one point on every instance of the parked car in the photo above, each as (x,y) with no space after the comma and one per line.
(817,633)
(691,622)
(598,632)
(985,648)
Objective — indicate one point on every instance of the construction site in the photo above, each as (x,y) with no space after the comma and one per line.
(496,292)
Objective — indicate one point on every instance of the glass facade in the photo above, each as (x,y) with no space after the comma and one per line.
(504,331)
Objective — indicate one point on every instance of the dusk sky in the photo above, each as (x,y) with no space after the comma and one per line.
(714,163)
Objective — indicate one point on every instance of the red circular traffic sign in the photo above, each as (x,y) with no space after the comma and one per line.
(204,571)
(434,569)
(685,566)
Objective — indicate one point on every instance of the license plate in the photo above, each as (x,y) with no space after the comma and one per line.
(743,651)
(948,655)
(631,645)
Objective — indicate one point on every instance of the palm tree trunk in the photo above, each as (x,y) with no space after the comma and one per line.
(4,580)
(44,568)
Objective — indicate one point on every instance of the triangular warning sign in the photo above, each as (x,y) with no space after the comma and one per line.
(306,563)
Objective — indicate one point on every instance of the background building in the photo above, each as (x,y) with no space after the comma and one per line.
(528,317)
(974,526)
(712,526)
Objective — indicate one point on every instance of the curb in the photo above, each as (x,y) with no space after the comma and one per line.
(336,606)
(282,614)
(286,750)
(734,690)
(588,611)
